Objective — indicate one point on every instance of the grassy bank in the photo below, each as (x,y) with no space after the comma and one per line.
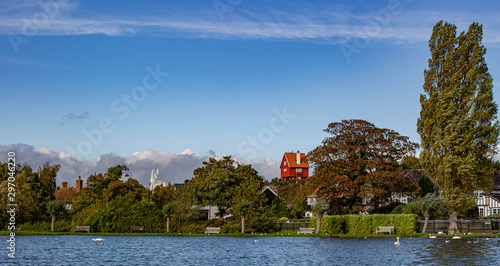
(278,234)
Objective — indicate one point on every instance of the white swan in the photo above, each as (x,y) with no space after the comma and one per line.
(431,236)
(397,242)
(97,239)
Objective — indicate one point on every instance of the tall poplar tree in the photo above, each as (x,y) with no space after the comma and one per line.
(457,123)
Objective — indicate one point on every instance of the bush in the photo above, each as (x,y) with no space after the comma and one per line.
(398,209)
(60,226)
(231,229)
(367,224)
(410,208)
(333,224)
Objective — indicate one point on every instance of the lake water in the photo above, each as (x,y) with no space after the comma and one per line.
(157,250)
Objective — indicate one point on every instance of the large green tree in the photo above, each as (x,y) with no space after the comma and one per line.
(360,161)
(224,183)
(457,122)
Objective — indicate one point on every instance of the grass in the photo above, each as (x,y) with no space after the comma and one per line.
(276,234)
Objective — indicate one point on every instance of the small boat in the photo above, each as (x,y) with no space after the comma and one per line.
(97,239)
(456,237)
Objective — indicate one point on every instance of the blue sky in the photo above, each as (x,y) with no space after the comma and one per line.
(275,72)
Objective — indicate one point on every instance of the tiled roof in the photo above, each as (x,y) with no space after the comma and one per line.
(291,158)
(65,194)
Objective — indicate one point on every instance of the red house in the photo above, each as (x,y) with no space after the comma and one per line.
(294,165)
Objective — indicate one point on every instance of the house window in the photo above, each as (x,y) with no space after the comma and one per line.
(299,170)
(481,211)
(495,211)
(284,170)
(284,163)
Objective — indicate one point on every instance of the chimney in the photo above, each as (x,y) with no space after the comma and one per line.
(79,184)
(64,184)
(298,157)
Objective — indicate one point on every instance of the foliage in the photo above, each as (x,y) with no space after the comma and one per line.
(388,208)
(404,224)
(224,183)
(260,221)
(293,191)
(244,207)
(431,204)
(410,208)
(457,123)
(398,209)
(44,226)
(168,209)
(410,162)
(56,207)
(279,208)
(360,161)
(322,205)
(426,185)
(99,182)
(33,190)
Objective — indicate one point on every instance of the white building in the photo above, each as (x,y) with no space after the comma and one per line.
(154,182)
(489,204)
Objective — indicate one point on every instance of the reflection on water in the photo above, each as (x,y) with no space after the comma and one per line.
(138,250)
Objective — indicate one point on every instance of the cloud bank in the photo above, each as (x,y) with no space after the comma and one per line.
(174,168)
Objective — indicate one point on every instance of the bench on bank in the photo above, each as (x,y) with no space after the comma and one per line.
(385,229)
(305,230)
(139,229)
(212,230)
(82,228)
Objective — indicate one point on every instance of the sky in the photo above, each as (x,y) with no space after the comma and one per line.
(169,84)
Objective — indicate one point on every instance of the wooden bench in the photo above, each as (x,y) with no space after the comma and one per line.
(305,230)
(385,229)
(212,230)
(139,229)
(82,228)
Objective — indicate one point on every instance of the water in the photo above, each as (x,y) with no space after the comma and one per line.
(157,250)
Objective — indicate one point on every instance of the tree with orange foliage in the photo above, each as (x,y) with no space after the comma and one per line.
(360,161)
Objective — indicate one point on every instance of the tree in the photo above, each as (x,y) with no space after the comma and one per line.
(426,185)
(279,208)
(321,206)
(243,208)
(55,208)
(224,183)
(168,210)
(429,205)
(100,182)
(457,123)
(360,161)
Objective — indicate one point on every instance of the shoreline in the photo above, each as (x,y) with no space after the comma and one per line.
(278,234)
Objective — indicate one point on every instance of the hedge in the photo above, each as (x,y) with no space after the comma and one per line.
(404,224)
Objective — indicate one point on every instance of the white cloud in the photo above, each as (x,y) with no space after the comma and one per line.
(304,21)
(174,168)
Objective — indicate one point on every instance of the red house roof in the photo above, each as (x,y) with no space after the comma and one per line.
(291,158)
